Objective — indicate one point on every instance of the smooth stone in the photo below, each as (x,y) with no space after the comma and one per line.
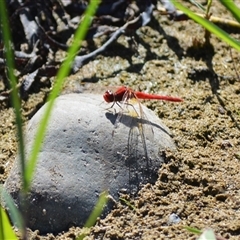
(81,156)
(173,219)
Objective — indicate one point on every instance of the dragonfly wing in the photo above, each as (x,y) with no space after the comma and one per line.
(147,126)
(140,130)
(123,114)
(133,145)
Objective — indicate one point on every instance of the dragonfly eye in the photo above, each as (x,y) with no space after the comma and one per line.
(108,96)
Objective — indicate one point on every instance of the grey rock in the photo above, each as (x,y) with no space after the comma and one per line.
(81,156)
(174,219)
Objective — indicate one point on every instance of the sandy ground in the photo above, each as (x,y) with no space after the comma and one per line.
(200,182)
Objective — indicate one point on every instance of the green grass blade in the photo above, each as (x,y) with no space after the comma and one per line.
(209,4)
(193,230)
(16,217)
(16,102)
(6,231)
(209,26)
(101,203)
(128,204)
(62,73)
(230,5)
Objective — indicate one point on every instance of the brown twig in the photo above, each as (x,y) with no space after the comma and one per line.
(139,21)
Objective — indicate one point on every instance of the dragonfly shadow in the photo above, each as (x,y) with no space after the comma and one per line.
(132,121)
(111,117)
(139,164)
(154,125)
(141,169)
(127,120)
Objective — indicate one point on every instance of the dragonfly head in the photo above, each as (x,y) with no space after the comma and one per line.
(108,96)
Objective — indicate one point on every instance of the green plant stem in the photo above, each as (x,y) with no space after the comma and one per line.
(209,26)
(16,102)
(209,4)
(102,201)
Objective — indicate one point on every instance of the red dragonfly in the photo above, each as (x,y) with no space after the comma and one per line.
(123,97)
(124,93)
